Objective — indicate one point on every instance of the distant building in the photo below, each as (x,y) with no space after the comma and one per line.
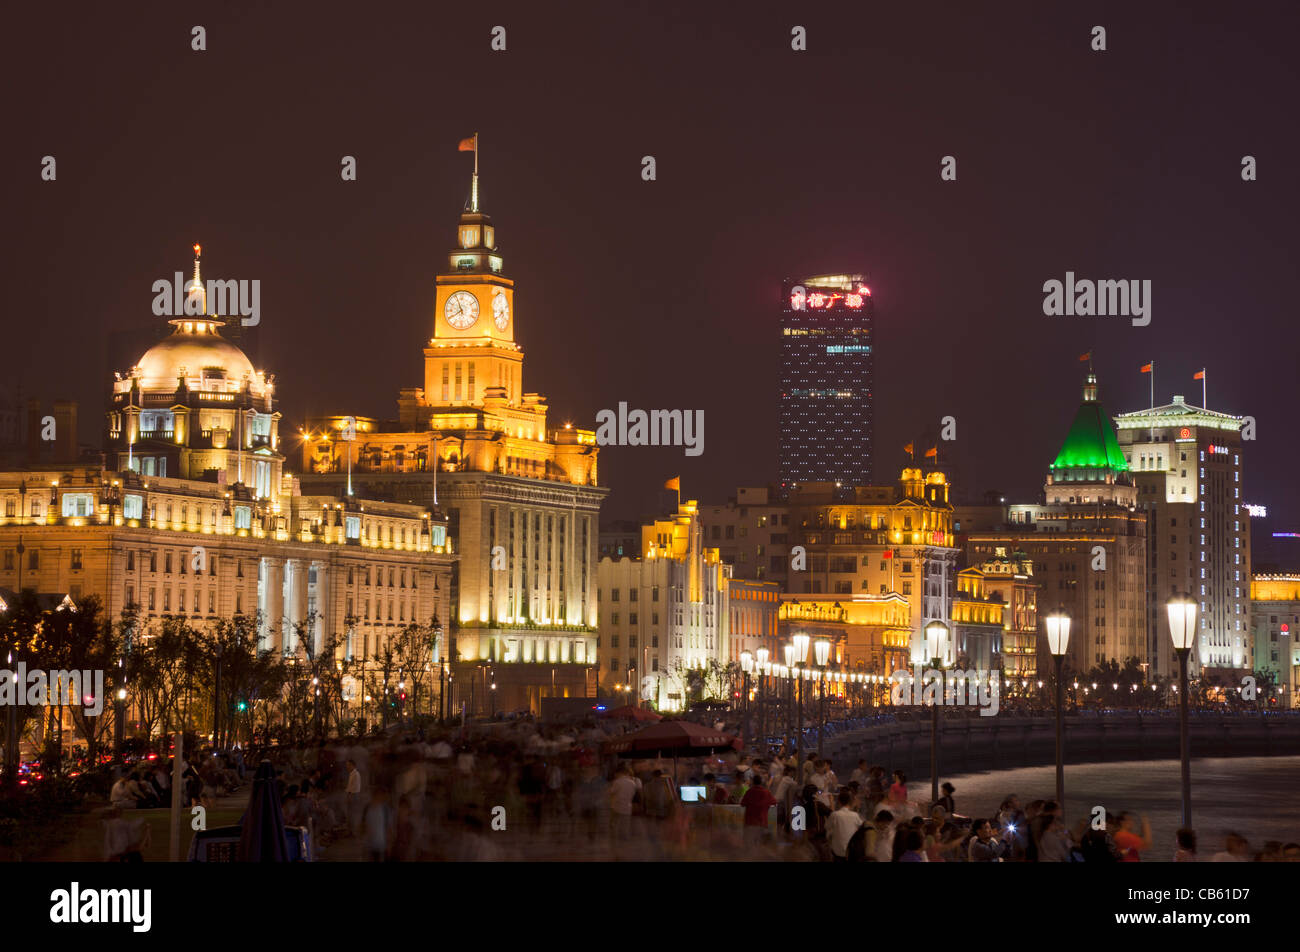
(826,400)
(1274,622)
(1187,465)
(664,615)
(521,494)
(195,518)
(1086,543)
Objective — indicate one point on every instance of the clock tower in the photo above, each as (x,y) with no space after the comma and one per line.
(473,355)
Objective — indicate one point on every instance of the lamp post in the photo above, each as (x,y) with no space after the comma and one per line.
(822,655)
(936,636)
(788,652)
(800,643)
(760,658)
(119,728)
(1182,629)
(746,667)
(442,670)
(1058,640)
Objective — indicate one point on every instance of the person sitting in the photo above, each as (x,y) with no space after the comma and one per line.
(143,793)
(123,794)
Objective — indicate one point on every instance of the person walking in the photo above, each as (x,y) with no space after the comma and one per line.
(352,796)
(841,825)
(756,801)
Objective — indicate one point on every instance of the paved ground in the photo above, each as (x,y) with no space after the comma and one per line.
(1254,796)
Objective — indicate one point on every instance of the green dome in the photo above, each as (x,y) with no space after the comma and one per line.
(1091,443)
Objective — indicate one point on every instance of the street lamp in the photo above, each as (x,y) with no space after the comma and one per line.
(822,653)
(800,643)
(761,657)
(746,667)
(1058,640)
(788,672)
(1182,629)
(120,726)
(936,635)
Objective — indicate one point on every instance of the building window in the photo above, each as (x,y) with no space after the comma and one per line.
(76,560)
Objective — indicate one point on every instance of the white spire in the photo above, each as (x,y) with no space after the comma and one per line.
(194,291)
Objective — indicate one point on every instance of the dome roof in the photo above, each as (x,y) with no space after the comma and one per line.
(197,346)
(1091,446)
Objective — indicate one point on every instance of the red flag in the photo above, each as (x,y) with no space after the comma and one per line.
(887,554)
(933,451)
(468,145)
(908,449)
(1146,369)
(1087,356)
(1199,375)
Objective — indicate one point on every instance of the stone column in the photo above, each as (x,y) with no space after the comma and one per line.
(271,603)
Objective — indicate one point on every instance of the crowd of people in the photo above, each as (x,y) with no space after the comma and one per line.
(520,791)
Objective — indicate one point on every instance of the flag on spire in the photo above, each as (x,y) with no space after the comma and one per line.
(1087,356)
(1146,369)
(468,145)
(1199,375)
(674,483)
(933,451)
(908,449)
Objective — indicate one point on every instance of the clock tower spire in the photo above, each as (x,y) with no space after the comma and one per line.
(473,356)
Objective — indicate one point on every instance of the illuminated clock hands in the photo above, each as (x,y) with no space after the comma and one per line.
(461,310)
(501,310)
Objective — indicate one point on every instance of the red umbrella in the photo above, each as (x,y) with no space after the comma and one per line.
(629,712)
(684,738)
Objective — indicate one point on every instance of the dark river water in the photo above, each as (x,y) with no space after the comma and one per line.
(1258,797)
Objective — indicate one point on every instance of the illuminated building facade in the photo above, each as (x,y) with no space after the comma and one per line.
(754,608)
(825,411)
(1086,543)
(521,496)
(665,614)
(869,634)
(856,540)
(194,516)
(1187,464)
(1275,619)
(977,620)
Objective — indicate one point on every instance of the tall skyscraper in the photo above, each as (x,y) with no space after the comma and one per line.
(1186,462)
(826,399)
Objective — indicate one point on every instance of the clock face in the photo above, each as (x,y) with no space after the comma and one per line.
(461,310)
(501,311)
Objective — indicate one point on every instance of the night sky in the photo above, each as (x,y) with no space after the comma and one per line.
(771,164)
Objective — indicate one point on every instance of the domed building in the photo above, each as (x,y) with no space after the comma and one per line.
(194,407)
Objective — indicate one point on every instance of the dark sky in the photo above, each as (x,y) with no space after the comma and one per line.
(771,163)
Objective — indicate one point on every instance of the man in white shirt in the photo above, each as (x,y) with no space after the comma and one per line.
(353,797)
(121,795)
(621,794)
(840,827)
